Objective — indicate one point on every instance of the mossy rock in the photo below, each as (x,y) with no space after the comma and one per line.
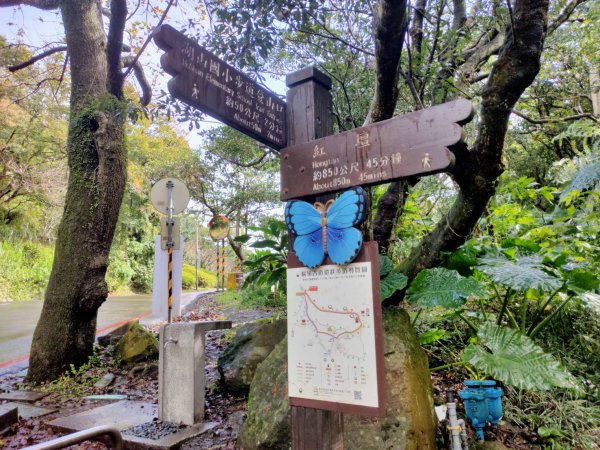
(409,423)
(252,343)
(137,344)
(267,426)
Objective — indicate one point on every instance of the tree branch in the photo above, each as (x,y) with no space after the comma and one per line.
(477,170)
(114,46)
(41,4)
(138,70)
(36,58)
(564,15)
(239,164)
(148,39)
(476,56)
(554,120)
(236,247)
(389,27)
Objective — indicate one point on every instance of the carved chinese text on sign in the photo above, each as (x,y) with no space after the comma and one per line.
(416,143)
(204,81)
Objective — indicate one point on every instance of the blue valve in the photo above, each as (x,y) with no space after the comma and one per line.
(483,404)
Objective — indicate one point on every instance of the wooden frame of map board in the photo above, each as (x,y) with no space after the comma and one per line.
(369,253)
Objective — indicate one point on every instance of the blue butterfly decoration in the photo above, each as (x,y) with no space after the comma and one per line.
(327,229)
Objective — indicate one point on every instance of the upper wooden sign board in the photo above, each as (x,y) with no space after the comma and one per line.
(204,81)
(412,144)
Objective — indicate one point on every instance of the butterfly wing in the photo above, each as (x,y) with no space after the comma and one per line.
(348,210)
(301,218)
(343,245)
(309,248)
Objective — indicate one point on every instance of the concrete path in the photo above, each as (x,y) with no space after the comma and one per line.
(18,321)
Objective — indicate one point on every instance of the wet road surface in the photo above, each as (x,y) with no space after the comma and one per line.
(18,320)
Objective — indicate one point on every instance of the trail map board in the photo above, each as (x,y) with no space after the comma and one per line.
(209,84)
(335,350)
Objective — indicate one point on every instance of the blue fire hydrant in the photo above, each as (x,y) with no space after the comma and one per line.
(483,403)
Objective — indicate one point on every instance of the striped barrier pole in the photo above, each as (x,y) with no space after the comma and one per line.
(170,282)
(223,265)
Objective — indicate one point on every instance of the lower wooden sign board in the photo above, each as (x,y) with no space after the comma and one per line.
(412,144)
(335,335)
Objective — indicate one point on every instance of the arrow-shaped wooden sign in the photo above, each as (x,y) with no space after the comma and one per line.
(208,83)
(415,143)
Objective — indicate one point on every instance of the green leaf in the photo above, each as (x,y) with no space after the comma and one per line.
(392,282)
(442,287)
(266,243)
(550,431)
(591,300)
(242,238)
(431,336)
(525,244)
(522,274)
(385,265)
(555,258)
(581,280)
(516,360)
(585,179)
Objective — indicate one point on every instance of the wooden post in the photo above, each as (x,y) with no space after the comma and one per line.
(309,117)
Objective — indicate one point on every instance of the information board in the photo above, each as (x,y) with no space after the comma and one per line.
(208,83)
(335,348)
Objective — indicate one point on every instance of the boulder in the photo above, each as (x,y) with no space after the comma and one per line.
(267,425)
(409,423)
(250,346)
(113,336)
(137,344)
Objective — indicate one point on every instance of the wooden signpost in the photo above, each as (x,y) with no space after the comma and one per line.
(208,83)
(315,162)
(416,143)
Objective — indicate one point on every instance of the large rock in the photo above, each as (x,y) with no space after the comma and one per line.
(114,336)
(250,346)
(267,426)
(137,344)
(409,424)
(410,421)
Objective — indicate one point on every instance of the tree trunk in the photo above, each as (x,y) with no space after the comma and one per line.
(477,170)
(97,175)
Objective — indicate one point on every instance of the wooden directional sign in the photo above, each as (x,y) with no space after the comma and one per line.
(204,81)
(416,143)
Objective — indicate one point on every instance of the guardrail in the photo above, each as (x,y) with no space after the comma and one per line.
(80,436)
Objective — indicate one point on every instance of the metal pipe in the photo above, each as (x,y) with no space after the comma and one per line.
(76,438)
(463,434)
(454,425)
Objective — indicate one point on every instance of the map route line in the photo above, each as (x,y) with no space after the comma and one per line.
(308,299)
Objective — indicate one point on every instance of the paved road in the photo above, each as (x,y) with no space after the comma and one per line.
(18,320)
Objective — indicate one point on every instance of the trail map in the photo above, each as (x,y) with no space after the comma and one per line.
(331,334)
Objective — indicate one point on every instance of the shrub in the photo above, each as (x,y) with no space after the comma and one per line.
(206,278)
(25,270)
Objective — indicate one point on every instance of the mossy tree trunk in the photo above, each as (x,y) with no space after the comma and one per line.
(97,175)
